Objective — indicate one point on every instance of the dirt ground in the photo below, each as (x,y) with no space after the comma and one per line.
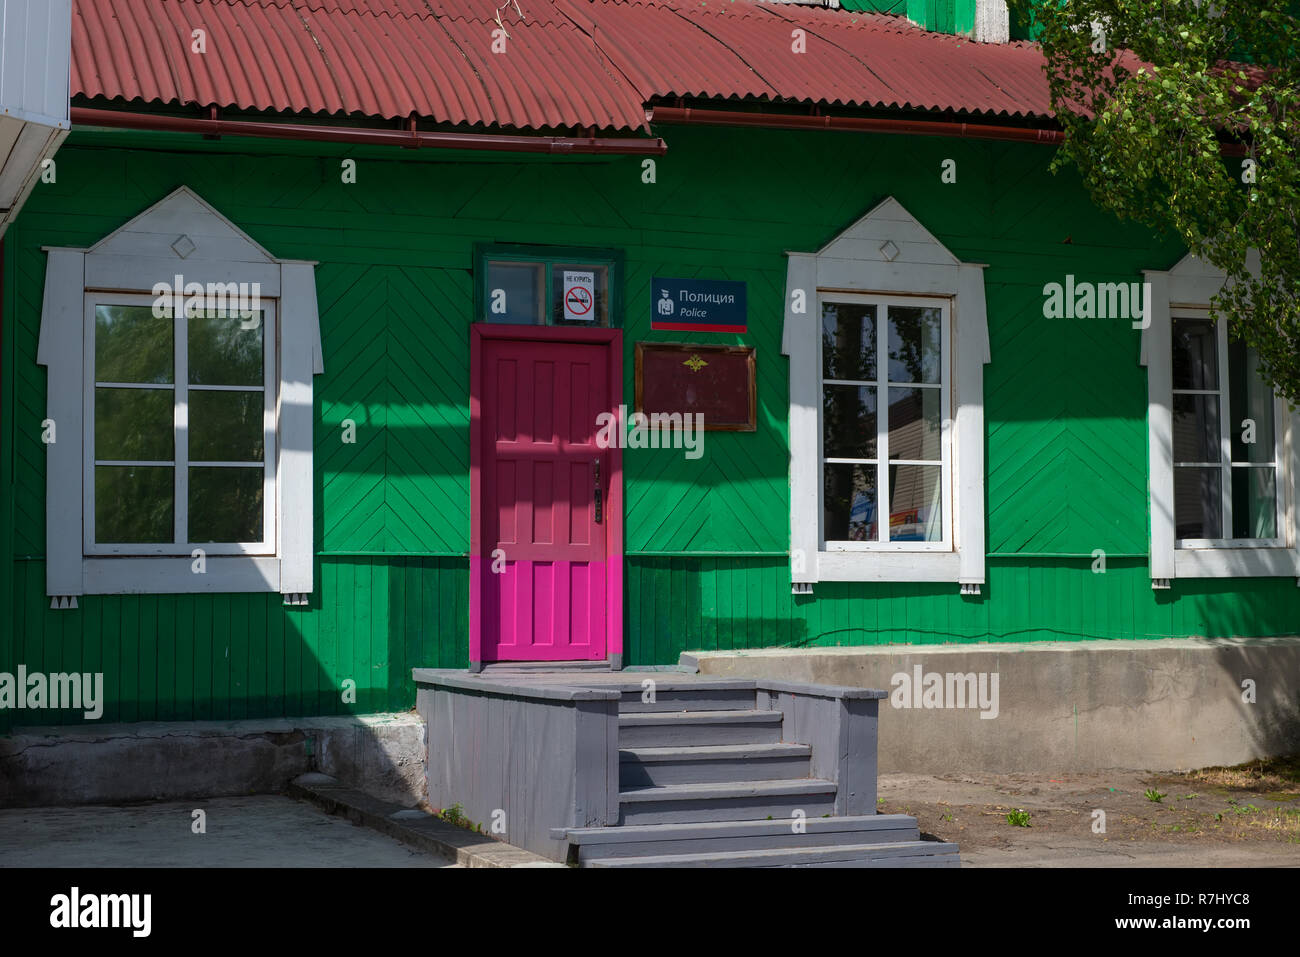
(1245,816)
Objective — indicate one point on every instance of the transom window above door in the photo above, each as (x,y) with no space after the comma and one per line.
(885,452)
(1227,449)
(547,286)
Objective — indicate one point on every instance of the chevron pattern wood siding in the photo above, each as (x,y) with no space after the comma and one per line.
(707,538)
(398,361)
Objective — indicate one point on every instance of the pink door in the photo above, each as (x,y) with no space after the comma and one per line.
(544,575)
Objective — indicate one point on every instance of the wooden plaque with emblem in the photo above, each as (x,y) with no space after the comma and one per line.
(715,381)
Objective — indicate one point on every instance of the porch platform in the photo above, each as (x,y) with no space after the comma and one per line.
(665,768)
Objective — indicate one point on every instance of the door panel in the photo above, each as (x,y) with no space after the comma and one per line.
(545,598)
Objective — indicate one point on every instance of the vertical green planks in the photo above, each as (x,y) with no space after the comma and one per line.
(1073,603)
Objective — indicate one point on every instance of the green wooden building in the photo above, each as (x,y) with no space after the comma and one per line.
(456,270)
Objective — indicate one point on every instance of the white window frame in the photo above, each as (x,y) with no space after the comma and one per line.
(1186,290)
(882,462)
(1228,422)
(179,235)
(181,462)
(887,254)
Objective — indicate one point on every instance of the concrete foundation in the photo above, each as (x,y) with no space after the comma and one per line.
(381,754)
(1174,704)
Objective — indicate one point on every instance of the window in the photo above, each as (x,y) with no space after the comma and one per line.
(540,285)
(1222,447)
(1226,457)
(883,432)
(180,429)
(887,339)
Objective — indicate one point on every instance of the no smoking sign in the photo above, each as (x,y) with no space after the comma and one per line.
(579,294)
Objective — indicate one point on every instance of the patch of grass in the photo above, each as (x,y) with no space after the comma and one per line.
(946,816)
(1239,819)
(1267,774)
(1282,821)
(1154,796)
(1018,818)
(455,815)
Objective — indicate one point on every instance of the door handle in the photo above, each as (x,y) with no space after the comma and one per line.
(596,493)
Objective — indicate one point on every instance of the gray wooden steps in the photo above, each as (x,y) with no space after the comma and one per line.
(667,728)
(730,801)
(707,779)
(597,843)
(653,766)
(690,696)
(901,854)
(543,667)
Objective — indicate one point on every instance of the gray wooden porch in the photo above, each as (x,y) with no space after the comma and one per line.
(665,768)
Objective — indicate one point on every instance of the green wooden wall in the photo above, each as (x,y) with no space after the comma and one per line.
(941,16)
(707,539)
(724,604)
(226,657)
(897,7)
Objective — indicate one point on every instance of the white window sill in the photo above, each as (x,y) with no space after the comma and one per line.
(176,576)
(1235,563)
(891,566)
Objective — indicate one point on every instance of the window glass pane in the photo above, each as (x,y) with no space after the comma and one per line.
(849,422)
(1198,504)
(582,300)
(514,293)
(915,341)
(848,341)
(134,504)
(225,350)
(914,426)
(1254,502)
(1196,428)
(134,425)
(226,426)
(915,503)
(132,345)
(1251,403)
(225,504)
(1196,363)
(849,501)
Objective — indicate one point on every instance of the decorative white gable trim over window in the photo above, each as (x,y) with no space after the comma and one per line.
(1223,449)
(887,338)
(182,452)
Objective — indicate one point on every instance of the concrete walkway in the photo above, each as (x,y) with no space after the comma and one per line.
(257,831)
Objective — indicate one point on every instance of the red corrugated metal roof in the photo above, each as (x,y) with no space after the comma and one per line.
(569,63)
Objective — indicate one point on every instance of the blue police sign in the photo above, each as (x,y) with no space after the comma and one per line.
(698,305)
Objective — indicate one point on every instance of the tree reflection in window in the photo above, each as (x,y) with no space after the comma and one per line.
(137,436)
